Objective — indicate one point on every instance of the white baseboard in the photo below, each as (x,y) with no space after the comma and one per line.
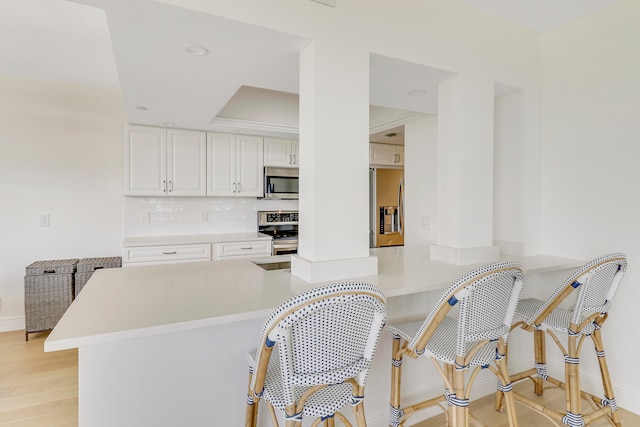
(625,398)
(13,323)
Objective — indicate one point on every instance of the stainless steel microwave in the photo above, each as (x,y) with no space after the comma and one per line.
(280,183)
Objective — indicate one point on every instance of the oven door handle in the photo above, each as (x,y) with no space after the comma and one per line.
(285,245)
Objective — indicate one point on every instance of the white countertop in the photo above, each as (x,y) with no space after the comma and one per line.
(192,238)
(124,303)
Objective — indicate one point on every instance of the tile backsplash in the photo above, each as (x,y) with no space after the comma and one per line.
(150,216)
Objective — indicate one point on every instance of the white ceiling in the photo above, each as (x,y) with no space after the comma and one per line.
(121,46)
(541,15)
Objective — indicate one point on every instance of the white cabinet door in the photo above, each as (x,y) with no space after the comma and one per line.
(221,164)
(160,162)
(400,154)
(145,161)
(186,163)
(249,161)
(234,165)
(234,250)
(386,154)
(294,153)
(280,152)
(165,254)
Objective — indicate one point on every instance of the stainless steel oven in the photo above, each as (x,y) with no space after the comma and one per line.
(283,227)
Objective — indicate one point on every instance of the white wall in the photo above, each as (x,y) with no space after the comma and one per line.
(508,218)
(421,178)
(590,163)
(60,154)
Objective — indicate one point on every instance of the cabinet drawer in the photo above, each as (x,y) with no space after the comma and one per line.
(257,247)
(167,254)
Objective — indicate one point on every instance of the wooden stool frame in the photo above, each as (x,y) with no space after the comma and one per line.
(454,402)
(600,407)
(257,378)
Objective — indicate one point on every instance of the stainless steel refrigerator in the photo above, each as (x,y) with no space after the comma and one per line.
(386,207)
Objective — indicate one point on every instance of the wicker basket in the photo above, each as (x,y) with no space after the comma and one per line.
(48,292)
(87,266)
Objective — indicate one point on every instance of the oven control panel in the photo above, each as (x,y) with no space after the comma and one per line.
(277,217)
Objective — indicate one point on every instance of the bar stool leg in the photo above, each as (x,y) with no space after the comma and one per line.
(396,375)
(606,378)
(540,352)
(252,407)
(290,410)
(461,412)
(572,380)
(451,415)
(506,381)
(358,409)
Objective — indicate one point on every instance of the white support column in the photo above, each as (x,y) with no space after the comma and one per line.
(334,163)
(465,171)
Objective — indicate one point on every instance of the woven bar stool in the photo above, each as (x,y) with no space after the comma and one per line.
(593,286)
(314,355)
(485,299)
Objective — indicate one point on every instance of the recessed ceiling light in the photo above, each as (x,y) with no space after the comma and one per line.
(417,93)
(142,108)
(195,49)
(169,124)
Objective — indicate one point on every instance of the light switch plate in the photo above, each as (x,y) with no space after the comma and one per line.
(45,220)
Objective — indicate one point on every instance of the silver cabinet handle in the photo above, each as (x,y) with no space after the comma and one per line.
(169,253)
(234,187)
(294,159)
(239,187)
(290,161)
(170,186)
(164,186)
(246,249)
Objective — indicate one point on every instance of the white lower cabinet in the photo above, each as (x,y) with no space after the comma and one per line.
(169,254)
(234,250)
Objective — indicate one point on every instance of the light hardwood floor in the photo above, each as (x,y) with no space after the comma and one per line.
(484,411)
(36,388)
(39,389)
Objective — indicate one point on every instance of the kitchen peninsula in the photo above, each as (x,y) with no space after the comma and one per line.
(164,345)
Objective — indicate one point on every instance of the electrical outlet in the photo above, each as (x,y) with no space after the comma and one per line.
(426,222)
(45,220)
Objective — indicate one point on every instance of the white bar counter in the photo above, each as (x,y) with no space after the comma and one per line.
(164,345)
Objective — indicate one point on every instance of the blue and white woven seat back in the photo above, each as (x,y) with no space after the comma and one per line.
(330,339)
(486,311)
(598,285)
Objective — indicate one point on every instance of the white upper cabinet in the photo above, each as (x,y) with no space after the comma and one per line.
(386,154)
(280,152)
(159,162)
(234,165)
